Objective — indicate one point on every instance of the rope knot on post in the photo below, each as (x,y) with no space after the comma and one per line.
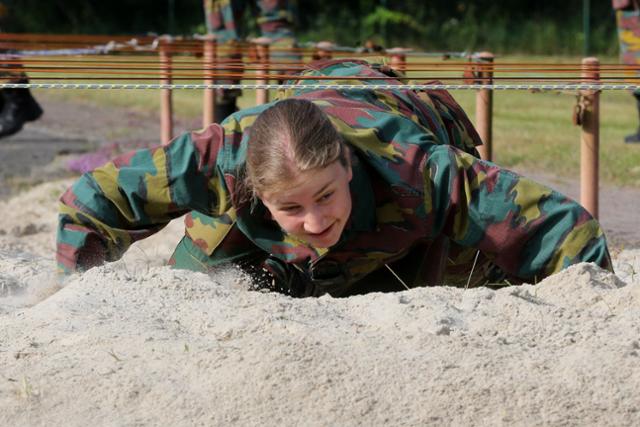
(582,104)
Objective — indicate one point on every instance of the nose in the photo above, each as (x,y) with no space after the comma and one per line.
(315,221)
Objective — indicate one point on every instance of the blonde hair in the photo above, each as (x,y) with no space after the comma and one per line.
(292,136)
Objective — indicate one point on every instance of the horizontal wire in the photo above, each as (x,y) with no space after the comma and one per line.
(280,65)
(430,81)
(274,63)
(127,58)
(106,86)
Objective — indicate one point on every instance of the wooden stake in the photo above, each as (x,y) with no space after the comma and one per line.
(590,138)
(484,105)
(166,102)
(262,53)
(398,58)
(209,95)
(324,50)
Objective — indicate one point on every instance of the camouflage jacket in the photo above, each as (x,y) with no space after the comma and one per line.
(416,177)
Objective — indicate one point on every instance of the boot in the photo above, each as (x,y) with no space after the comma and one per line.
(633,138)
(224,108)
(19,107)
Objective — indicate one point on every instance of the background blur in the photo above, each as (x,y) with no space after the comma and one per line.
(501,26)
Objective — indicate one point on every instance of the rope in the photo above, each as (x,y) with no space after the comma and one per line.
(132,63)
(58,52)
(529,87)
(193,43)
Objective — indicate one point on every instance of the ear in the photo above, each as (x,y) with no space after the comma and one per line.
(349,162)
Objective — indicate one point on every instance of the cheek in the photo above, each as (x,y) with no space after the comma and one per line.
(343,207)
(287,223)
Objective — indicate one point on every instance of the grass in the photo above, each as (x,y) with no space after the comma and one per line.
(534,131)
(531,131)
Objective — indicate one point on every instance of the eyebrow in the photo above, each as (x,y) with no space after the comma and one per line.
(317,193)
(323,189)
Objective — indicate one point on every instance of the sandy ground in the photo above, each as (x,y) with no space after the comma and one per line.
(135,343)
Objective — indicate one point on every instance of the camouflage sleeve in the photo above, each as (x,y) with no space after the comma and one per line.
(137,194)
(527,229)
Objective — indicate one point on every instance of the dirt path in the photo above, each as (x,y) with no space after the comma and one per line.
(40,152)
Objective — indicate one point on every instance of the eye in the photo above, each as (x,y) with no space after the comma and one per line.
(326,196)
(289,209)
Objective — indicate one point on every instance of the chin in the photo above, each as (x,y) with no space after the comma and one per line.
(327,241)
(323,244)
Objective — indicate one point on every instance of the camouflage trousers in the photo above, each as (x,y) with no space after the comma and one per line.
(224,19)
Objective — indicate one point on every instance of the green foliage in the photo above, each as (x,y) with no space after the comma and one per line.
(501,26)
(383,19)
(102,17)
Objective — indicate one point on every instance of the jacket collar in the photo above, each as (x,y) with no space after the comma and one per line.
(363,205)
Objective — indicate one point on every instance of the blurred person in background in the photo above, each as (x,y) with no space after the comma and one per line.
(225,20)
(628,22)
(17,106)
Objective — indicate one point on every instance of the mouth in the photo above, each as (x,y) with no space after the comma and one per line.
(324,233)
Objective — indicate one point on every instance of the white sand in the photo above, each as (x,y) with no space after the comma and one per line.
(135,343)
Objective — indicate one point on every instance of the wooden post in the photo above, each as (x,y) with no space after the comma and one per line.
(166,103)
(590,138)
(398,58)
(262,53)
(484,105)
(324,50)
(209,95)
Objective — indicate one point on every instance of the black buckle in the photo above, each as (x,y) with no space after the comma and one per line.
(329,276)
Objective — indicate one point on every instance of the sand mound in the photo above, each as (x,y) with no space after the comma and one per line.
(135,343)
